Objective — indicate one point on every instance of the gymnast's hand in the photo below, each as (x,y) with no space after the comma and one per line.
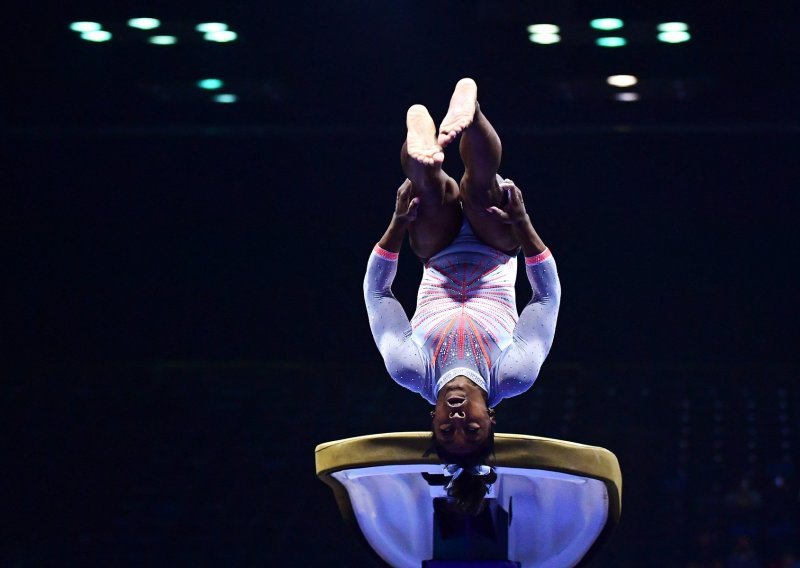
(406,207)
(513,212)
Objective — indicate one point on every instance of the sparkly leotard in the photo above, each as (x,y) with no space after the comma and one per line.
(466,321)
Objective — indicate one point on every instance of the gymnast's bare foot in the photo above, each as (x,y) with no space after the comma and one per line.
(421,138)
(461,112)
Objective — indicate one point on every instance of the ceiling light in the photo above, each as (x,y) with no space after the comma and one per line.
(543,29)
(673,27)
(163,40)
(226,98)
(545,39)
(96,35)
(611,41)
(626,97)
(674,37)
(209,84)
(222,36)
(622,80)
(606,23)
(211,27)
(144,23)
(85,26)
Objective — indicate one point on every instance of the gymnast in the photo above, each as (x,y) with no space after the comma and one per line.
(466,348)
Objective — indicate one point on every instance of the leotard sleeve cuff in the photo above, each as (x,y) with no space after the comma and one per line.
(541,257)
(385,254)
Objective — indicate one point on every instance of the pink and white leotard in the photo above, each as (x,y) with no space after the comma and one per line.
(466,321)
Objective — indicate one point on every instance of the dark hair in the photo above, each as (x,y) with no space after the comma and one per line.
(467,491)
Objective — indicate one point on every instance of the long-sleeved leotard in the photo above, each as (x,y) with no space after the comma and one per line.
(466,321)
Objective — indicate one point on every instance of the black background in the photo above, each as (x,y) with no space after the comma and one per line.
(183,278)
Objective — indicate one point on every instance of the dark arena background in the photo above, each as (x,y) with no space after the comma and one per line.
(182,297)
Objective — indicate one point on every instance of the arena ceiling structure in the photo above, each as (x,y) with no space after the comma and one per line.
(322,66)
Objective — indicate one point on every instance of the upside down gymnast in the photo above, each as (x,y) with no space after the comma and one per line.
(465,349)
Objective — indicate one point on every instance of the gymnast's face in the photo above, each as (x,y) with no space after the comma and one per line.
(461,420)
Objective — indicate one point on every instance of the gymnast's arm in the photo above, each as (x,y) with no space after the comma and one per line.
(519,364)
(387,318)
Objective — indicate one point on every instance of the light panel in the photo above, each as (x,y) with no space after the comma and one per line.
(96,36)
(222,36)
(206,27)
(674,37)
(544,39)
(85,26)
(611,41)
(606,24)
(144,23)
(226,98)
(163,40)
(622,80)
(543,29)
(626,97)
(673,27)
(210,84)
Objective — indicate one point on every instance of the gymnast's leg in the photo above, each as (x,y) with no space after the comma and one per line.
(480,150)
(439,213)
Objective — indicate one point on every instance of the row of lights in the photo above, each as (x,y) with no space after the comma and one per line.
(623,82)
(212,31)
(214,85)
(668,32)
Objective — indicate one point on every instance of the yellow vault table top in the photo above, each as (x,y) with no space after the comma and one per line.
(560,500)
